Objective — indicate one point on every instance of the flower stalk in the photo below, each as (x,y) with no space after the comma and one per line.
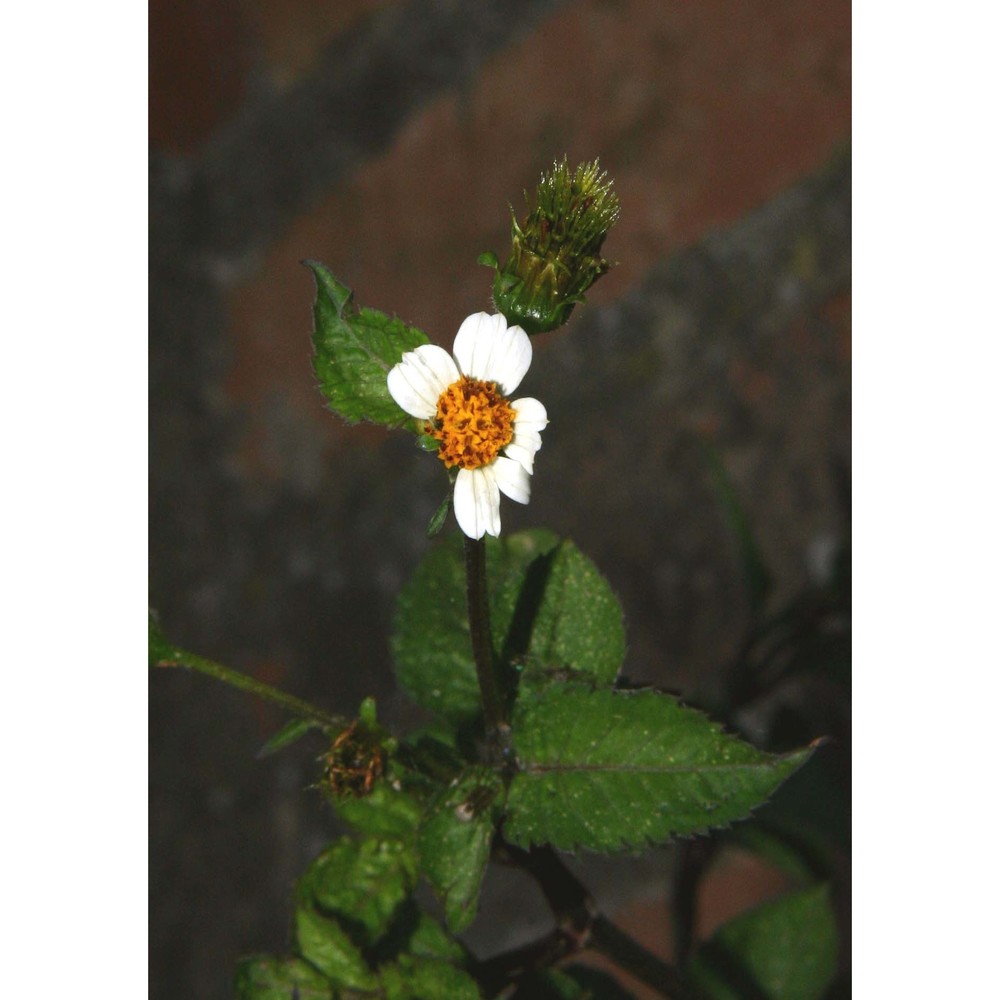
(492,687)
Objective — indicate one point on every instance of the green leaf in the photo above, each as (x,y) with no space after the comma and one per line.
(548,603)
(782,950)
(612,770)
(262,977)
(415,932)
(326,945)
(576,622)
(387,813)
(412,978)
(354,350)
(455,839)
(288,734)
(431,644)
(362,882)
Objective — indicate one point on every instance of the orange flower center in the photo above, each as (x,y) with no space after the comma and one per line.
(473,422)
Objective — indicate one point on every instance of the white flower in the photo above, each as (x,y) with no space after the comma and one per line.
(465,401)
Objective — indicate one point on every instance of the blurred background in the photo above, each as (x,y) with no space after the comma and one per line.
(699,401)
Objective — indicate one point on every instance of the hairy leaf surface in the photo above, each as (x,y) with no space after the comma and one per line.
(387,813)
(362,882)
(326,945)
(548,604)
(354,350)
(612,770)
(455,839)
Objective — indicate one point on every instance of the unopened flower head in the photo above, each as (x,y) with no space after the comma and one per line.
(556,251)
(465,402)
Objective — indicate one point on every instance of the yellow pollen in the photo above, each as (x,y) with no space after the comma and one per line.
(473,422)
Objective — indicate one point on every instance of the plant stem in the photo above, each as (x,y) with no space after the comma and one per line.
(182,658)
(566,895)
(627,953)
(497,973)
(580,927)
(490,688)
(690,861)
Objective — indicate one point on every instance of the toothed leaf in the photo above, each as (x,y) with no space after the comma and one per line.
(325,944)
(354,350)
(613,770)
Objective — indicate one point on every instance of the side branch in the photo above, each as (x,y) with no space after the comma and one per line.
(182,658)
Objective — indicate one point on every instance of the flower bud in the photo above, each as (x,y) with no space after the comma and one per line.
(556,251)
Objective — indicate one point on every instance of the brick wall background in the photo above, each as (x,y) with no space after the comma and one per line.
(386,139)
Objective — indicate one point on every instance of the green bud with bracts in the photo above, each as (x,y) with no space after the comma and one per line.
(556,251)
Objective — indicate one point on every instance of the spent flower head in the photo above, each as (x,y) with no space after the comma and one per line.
(465,402)
(556,251)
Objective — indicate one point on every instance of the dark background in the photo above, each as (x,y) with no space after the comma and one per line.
(386,140)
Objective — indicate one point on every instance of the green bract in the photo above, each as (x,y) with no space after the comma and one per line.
(556,251)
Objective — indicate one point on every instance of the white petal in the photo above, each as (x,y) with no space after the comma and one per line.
(529,421)
(512,479)
(523,456)
(509,359)
(529,415)
(477,502)
(528,439)
(420,378)
(475,341)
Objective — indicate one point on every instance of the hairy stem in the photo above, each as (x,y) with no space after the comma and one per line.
(490,688)
(182,658)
